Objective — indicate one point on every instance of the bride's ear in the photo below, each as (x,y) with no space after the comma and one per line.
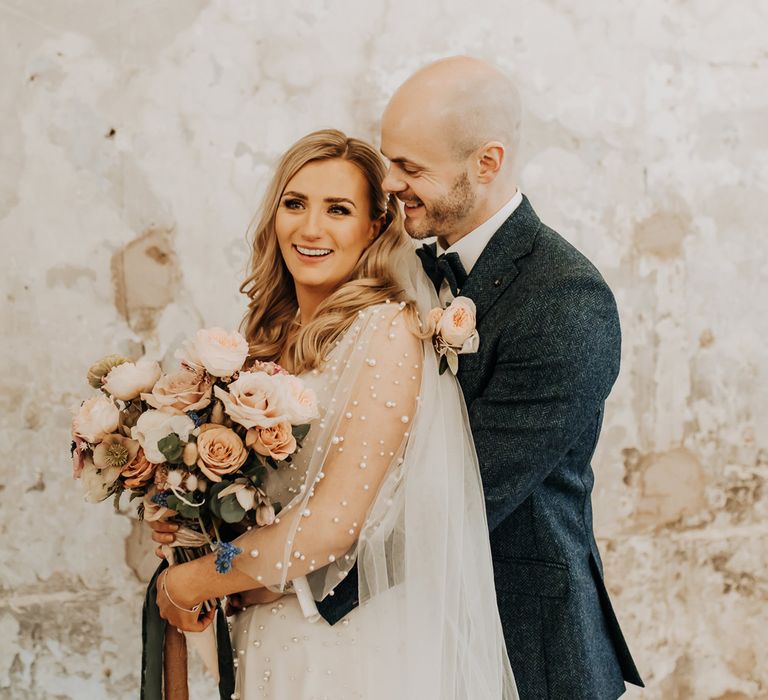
(377,226)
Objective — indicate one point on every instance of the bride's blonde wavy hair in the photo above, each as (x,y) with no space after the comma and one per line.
(270,325)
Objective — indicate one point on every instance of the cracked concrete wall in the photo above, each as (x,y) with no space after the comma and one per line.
(135,142)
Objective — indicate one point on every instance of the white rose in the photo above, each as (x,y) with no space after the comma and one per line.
(299,402)
(95,419)
(221,353)
(153,426)
(128,380)
(457,324)
(254,399)
(97,482)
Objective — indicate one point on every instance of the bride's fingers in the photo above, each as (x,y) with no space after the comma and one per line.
(163,538)
(159,552)
(163,526)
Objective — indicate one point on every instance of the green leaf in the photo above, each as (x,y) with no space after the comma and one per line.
(214,502)
(300,432)
(171,448)
(184,509)
(231,510)
(117,493)
(443,364)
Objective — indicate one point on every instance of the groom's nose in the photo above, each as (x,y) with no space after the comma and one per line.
(391,183)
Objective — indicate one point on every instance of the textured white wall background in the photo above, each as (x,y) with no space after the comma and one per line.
(135,141)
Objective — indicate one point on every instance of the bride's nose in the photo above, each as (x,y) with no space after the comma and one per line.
(312,226)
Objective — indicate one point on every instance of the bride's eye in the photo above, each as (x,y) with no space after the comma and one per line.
(292,203)
(338,209)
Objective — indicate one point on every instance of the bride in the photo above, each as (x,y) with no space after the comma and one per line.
(387,478)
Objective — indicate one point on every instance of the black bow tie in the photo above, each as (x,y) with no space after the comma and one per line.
(446,267)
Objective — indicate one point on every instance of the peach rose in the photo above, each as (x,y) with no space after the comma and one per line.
(299,402)
(457,324)
(276,442)
(220,450)
(221,353)
(254,399)
(96,418)
(181,391)
(139,471)
(129,379)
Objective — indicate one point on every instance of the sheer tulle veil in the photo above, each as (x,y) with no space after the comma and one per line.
(429,621)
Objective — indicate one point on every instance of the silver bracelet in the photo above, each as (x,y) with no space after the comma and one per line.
(194,609)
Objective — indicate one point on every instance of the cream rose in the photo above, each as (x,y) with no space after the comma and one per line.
(433,319)
(129,379)
(153,426)
(96,418)
(457,324)
(220,450)
(221,353)
(97,483)
(276,442)
(299,402)
(254,399)
(181,391)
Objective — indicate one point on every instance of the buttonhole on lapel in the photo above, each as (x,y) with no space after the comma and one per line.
(497,282)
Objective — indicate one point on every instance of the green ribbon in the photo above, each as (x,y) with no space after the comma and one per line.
(153,639)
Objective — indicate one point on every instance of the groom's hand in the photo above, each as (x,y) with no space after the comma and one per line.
(163,532)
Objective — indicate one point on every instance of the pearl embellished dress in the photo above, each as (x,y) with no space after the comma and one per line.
(285,650)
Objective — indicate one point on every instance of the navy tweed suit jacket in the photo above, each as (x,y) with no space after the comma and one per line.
(549,354)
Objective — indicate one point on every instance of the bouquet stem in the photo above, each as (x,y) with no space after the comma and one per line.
(175,665)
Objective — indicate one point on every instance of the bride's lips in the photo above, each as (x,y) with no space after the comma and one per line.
(311,254)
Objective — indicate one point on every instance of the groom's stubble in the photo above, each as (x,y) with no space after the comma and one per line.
(447,214)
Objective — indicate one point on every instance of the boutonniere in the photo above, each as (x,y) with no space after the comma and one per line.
(454,332)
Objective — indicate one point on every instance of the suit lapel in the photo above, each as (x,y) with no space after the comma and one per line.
(496,268)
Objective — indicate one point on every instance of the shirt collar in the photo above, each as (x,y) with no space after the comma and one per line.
(471,246)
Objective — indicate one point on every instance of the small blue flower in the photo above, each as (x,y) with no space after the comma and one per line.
(225,553)
(196,417)
(161,499)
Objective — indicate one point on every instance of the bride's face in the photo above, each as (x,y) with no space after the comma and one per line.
(323,223)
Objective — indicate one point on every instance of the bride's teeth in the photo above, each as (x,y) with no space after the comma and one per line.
(313,252)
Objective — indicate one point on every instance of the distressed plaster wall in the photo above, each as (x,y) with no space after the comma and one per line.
(135,142)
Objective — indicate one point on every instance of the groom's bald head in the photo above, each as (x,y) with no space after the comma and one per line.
(451,133)
(468,102)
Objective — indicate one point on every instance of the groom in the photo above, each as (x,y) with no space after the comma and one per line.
(549,355)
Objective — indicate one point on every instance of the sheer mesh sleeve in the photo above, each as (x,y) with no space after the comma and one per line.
(373,377)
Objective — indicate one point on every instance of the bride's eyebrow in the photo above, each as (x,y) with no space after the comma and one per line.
(327,200)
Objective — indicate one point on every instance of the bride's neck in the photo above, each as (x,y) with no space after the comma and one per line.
(308,299)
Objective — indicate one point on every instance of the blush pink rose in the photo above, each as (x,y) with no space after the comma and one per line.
(96,418)
(458,322)
(220,353)
(254,399)
(181,391)
(299,402)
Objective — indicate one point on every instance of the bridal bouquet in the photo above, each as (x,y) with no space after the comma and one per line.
(194,445)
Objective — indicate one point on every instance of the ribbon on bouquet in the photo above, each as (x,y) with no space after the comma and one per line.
(213,646)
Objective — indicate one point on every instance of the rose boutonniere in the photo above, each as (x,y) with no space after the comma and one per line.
(454,332)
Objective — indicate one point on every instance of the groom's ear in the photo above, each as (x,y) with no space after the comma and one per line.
(490,158)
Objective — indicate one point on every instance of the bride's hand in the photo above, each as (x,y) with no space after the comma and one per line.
(163,533)
(176,610)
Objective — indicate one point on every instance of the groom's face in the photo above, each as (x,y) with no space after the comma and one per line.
(434,186)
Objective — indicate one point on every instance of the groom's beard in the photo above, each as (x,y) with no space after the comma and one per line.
(445,216)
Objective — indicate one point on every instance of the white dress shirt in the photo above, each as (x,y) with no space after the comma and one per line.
(471,246)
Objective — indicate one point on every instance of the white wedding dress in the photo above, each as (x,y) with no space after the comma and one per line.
(391,459)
